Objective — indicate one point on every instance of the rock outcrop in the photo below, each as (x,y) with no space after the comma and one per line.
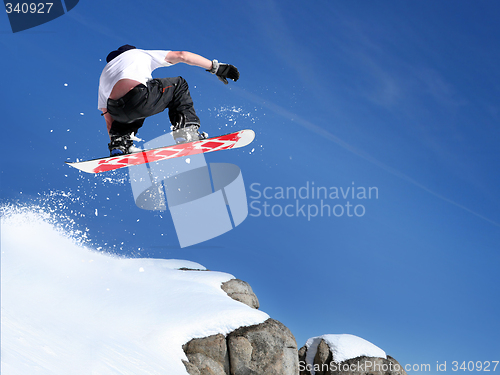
(324,364)
(207,356)
(266,348)
(241,291)
(270,348)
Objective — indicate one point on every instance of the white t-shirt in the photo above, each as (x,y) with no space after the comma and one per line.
(136,64)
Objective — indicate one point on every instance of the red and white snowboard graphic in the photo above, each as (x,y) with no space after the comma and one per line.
(223,142)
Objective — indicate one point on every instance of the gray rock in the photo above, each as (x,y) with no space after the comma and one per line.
(324,365)
(241,291)
(302,360)
(207,355)
(190,368)
(266,348)
(323,355)
(270,348)
(368,365)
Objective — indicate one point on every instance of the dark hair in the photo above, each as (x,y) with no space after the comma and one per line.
(118,52)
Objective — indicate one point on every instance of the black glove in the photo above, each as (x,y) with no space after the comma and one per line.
(223,71)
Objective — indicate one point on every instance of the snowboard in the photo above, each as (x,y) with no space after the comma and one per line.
(224,142)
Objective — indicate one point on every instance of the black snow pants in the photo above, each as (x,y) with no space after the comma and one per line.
(143,101)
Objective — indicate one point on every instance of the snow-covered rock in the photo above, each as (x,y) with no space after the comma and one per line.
(343,347)
(345,354)
(266,348)
(241,291)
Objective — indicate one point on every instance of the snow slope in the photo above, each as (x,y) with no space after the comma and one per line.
(69,310)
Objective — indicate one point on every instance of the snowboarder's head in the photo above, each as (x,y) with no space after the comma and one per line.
(118,52)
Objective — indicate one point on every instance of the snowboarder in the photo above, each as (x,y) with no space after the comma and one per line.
(128,94)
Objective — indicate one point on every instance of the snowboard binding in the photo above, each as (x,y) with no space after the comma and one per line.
(120,144)
(184,133)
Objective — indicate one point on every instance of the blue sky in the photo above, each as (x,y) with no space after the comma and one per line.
(401,96)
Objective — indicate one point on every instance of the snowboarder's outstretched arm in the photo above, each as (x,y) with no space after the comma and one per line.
(174,57)
(221,70)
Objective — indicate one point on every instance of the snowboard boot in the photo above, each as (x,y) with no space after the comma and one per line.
(184,133)
(121,144)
